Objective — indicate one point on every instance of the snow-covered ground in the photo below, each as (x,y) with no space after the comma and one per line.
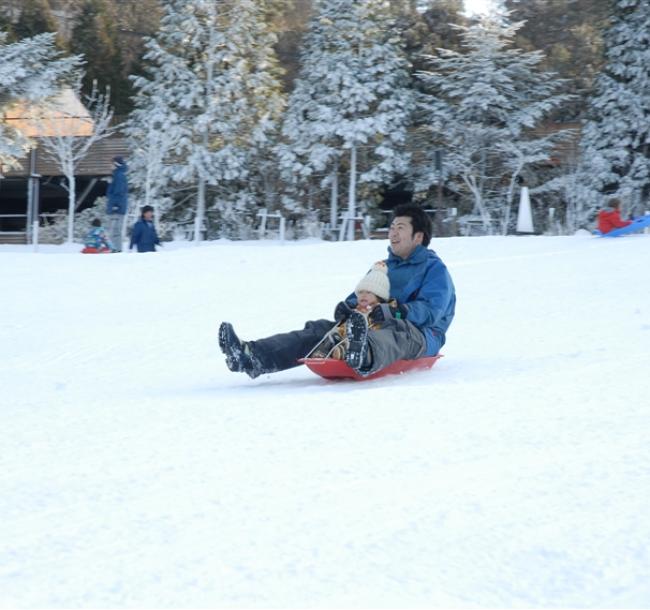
(136,470)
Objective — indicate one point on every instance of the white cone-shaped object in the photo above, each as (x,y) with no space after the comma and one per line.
(525,215)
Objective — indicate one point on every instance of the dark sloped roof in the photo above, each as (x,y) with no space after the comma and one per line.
(96,163)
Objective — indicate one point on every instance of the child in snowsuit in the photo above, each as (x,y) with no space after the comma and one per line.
(97,241)
(610,217)
(373,289)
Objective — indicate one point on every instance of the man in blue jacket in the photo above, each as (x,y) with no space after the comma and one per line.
(415,327)
(117,204)
(144,235)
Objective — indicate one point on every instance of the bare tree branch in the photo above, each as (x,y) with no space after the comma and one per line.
(70,137)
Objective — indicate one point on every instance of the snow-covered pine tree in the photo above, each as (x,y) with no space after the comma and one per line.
(308,145)
(212,84)
(616,136)
(261,103)
(31,71)
(481,107)
(352,95)
(151,135)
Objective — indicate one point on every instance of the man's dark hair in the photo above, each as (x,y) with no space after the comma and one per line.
(614,202)
(96,222)
(145,209)
(419,219)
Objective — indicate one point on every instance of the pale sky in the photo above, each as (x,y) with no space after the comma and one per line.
(478,6)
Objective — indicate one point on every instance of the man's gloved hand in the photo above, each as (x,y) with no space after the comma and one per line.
(342,312)
(382,312)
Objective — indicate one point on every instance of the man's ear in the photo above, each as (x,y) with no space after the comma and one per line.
(418,237)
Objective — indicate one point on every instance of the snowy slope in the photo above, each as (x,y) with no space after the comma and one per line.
(136,470)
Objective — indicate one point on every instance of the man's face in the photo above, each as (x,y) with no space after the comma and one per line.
(148,215)
(402,239)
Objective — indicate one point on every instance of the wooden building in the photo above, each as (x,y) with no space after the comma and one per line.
(34,190)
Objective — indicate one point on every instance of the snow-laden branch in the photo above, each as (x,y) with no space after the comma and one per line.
(31,71)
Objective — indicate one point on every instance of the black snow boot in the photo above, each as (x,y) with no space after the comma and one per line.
(239,357)
(356,330)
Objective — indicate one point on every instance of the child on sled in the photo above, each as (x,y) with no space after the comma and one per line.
(97,241)
(373,289)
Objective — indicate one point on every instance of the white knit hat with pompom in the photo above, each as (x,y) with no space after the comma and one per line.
(376,281)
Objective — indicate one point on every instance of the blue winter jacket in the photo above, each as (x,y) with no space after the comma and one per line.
(144,236)
(423,284)
(118,192)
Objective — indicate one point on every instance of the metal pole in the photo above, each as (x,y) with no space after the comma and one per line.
(262,229)
(344,224)
(35,235)
(30,195)
(37,201)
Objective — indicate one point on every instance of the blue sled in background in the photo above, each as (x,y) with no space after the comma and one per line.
(637,225)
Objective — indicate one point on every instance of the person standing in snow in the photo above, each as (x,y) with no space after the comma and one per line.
(117,202)
(609,218)
(144,235)
(415,325)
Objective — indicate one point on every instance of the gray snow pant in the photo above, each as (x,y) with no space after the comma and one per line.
(395,340)
(115,223)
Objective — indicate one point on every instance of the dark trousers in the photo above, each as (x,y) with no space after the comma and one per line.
(395,340)
(282,351)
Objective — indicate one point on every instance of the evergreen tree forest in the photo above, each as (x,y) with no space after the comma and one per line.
(319,108)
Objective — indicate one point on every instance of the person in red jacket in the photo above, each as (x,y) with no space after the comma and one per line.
(610,217)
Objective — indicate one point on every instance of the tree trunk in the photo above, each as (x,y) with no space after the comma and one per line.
(334,199)
(205,139)
(510,197)
(269,194)
(352,194)
(200,211)
(71,205)
(479,205)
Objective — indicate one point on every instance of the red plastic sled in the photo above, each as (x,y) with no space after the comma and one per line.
(88,250)
(330,368)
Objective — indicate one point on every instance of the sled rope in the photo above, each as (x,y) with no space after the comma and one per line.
(329,333)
